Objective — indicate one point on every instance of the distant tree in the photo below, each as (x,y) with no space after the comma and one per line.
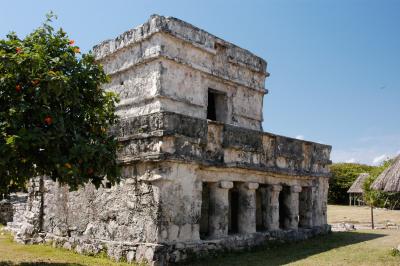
(371,197)
(374,198)
(54,116)
(343,176)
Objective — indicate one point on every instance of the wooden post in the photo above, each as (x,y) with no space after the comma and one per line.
(372,217)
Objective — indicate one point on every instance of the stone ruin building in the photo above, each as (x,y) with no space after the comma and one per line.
(199,174)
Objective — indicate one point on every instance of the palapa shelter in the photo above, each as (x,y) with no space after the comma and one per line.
(389,179)
(356,190)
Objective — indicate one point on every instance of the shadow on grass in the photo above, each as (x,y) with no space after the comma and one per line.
(279,253)
(8,263)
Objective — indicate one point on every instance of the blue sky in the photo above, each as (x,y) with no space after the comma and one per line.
(335,65)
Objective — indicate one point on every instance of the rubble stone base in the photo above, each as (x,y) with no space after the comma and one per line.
(164,254)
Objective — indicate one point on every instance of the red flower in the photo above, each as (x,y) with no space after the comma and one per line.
(18,50)
(48,120)
(71,42)
(18,88)
(77,50)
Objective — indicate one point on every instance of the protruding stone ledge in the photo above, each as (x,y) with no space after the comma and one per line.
(187,139)
(183,31)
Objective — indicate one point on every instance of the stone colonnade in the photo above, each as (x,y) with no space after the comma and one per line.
(297,209)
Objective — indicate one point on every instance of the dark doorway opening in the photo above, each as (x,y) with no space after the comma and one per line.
(211,106)
(217,106)
(260,209)
(283,211)
(305,207)
(233,226)
(205,211)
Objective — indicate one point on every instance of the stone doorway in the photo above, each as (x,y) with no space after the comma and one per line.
(283,210)
(205,211)
(233,225)
(260,209)
(306,207)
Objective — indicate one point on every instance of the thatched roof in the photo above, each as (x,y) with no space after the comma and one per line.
(357,186)
(389,179)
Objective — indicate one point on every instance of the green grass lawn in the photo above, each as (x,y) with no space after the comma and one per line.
(341,248)
(12,253)
(364,247)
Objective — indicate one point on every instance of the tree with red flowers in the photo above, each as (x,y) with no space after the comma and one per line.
(54,116)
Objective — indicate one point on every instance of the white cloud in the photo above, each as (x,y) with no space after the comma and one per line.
(300,137)
(371,150)
(377,160)
(352,160)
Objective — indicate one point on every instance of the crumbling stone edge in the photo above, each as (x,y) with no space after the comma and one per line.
(170,253)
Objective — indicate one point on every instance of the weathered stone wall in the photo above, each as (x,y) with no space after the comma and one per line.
(179,137)
(13,208)
(163,66)
(6,211)
(18,201)
(127,212)
(155,212)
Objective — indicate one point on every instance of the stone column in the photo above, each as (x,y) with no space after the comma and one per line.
(219,209)
(306,207)
(247,208)
(270,199)
(291,201)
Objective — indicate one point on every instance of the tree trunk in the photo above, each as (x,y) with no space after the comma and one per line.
(372,217)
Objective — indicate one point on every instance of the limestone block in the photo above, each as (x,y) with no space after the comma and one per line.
(252,186)
(295,189)
(226,184)
(130,256)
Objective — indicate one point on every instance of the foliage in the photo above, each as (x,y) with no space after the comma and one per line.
(372,197)
(54,116)
(394,252)
(344,175)
(377,198)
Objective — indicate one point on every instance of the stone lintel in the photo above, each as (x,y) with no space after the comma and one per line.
(226,184)
(295,189)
